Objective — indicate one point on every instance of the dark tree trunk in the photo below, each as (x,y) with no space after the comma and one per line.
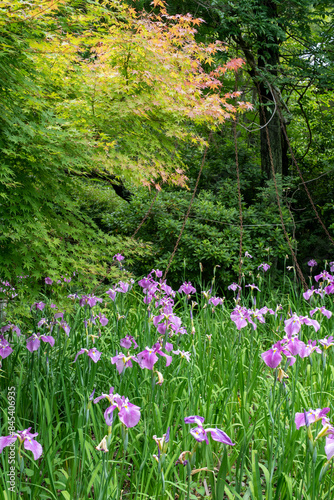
(272,130)
(268,62)
(263,71)
(111,179)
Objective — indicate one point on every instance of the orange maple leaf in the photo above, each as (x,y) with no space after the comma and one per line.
(158,3)
(235,63)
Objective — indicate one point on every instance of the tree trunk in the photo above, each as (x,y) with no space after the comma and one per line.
(271,124)
(268,62)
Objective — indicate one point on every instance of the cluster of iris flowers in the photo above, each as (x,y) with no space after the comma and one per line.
(159,298)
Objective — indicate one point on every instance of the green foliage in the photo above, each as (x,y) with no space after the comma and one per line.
(301,32)
(211,235)
(42,227)
(94,87)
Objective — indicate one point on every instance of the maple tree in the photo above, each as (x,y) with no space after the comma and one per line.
(139,81)
(96,89)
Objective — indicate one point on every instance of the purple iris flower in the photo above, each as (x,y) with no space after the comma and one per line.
(168,346)
(128,413)
(308,348)
(329,446)
(168,289)
(273,356)
(65,327)
(220,436)
(234,287)
(241,317)
(91,300)
(25,437)
(160,317)
(112,294)
(174,322)
(167,309)
(42,322)
(107,396)
(194,419)
(169,320)
(102,319)
(327,342)
(34,342)
(308,293)
(312,263)
(187,288)
(127,341)
(73,296)
(265,310)
(324,311)
(177,330)
(201,434)
(148,357)
(165,302)
(5,349)
(307,418)
(11,327)
(327,290)
(325,276)
(253,287)
(264,266)
(62,324)
(247,254)
(295,346)
(215,301)
(153,289)
(119,257)
(145,283)
(151,293)
(121,361)
(257,314)
(183,354)
(122,287)
(94,354)
(38,305)
(290,346)
(48,281)
(293,324)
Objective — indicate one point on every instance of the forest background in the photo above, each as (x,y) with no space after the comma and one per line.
(105,104)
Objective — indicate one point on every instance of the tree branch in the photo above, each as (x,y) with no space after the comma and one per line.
(111,179)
